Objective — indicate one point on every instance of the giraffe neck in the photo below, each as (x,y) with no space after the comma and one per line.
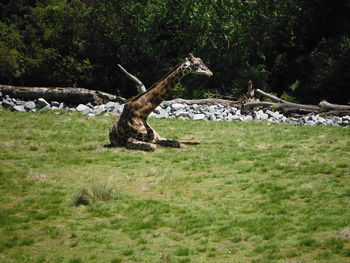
(148,101)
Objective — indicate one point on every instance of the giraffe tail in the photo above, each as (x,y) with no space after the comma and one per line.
(190,142)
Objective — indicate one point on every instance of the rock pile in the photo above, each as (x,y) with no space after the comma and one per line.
(220,113)
(169,109)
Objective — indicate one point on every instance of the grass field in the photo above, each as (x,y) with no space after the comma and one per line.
(250,192)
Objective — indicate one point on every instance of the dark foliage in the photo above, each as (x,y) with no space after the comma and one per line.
(291,47)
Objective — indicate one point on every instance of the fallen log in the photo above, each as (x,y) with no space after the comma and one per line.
(339,113)
(283,106)
(299,111)
(264,104)
(218,96)
(280,104)
(212,101)
(290,108)
(329,106)
(68,95)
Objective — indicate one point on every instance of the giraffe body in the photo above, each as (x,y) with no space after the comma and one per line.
(131,129)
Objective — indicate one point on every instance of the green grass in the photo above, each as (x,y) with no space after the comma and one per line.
(250,192)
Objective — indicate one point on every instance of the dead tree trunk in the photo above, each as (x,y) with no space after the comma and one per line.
(68,95)
(289,107)
(250,96)
(280,104)
(329,106)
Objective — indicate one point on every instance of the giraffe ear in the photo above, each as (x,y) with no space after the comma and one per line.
(191,56)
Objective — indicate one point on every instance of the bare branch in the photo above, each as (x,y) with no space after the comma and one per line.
(272,97)
(141,87)
(285,104)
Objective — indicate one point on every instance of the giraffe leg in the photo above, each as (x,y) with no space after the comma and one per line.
(167,143)
(134,144)
(162,141)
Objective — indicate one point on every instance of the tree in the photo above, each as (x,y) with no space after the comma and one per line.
(298,48)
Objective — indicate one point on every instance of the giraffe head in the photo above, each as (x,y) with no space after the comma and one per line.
(196,66)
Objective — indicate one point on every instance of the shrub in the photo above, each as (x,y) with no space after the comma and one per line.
(95,192)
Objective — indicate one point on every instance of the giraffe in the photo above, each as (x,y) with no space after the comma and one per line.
(131,129)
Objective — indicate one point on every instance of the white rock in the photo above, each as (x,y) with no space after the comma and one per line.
(270,113)
(322,120)
(29,105)
(47,107)
(248,118)
(337,120)
(157,110)
(237,117)
(195,106)
(225,112)
(198,117)
(260,115)
(81,107)
(20,102)
(120,108)
(310,123)
(62,105)
(100,109)
(183,114)
(212,117)
(152,115)
(42,103)
(329,121)
(229,117)
(111,106)
(213,109)
(7,103)
(19,108)
(87,111)
(177,106)
(165,104)
(55,103)
(162,114)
